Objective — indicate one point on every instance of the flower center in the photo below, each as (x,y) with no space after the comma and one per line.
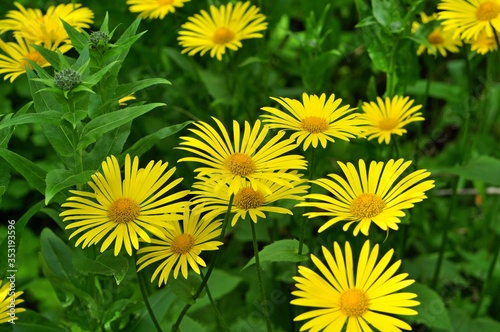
(367,206)
(182,244)
(435,38)
(222,36)
(165,2)
(35,57)
(240,164)
(123,210)
(314,124)
(487,11)
(388,124)
(247,198)
(354,302)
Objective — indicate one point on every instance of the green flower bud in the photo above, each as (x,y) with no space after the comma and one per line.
(98,38)
(67,79)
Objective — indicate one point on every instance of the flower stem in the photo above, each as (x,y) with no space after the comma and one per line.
(176,325)
(391,73)
(221,320)
(259,275)
(144,294)
(303,223)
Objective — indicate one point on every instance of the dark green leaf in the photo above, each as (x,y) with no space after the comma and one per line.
(281,251)
(78,39)
(59,179)
(30,321)
(57,255)
(388,13)
(184,288)
(30,171)
(52,117)
(109,144)
(483,168)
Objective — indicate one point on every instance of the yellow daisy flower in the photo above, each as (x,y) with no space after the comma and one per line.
(47,30)
(440,40)
(315,120)
(483,44)
(181,246)
(9,303)
(124,209)
(365,298)
(225,26)
(386,118)
(468,18)
(247,200)
(230,161)
(369,196)
(154,9)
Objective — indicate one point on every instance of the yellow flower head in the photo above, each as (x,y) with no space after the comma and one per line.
(388,117)
(228,161)
(483,44)
(154,9)
(441,40)
(365,297)
(181,247)
(124,209)
(369,196)
(314,120)
(225,27)
(247,200)
(468,18)
(9,301)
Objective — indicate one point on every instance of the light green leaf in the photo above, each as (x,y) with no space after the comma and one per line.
(184,288)
(78,39)
(30,321)
(388,13)
(281,251)
(59,179)
(30,171)
(483,168)
(106,264)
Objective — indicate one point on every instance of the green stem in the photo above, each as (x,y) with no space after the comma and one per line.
(303,223)
(396,148)
(391,73)
(176,325)
(144,294)
(259,275)
(221,320)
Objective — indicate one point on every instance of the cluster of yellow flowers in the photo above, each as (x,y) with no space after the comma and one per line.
(475,22)
(32,27)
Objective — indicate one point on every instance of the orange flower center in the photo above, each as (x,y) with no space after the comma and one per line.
(240,164)
(223,36)
(487,11)
(123,210)
(35,57)
(314,124)
(354,302)
(247,198)
(367,206)
(182,244)
(435,38)
(388,124)
(165,2)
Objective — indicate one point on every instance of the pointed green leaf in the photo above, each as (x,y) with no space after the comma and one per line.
(281,251)
(78,39)
(52,117)
(30,321)
(108,144)
(105,264)
(388,13)
(29,170)
(483,168)
(59,179)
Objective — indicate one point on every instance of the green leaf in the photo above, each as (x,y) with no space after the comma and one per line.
(78,39)
(109,144)
(105,264)
(215,83)
(96,77)
(388,13)
(184,288)
(462,321)
(52,117)
(30,171)
(74,118)
(59,179)
(147,142)
(483,168)
(29,321)
(107,122)
(220,284)
(57,255)
(56,59)
(281,251)
(379,47)
(127,89)
(431,311)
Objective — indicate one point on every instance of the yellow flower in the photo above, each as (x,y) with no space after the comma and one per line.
(9,303)
(483,44)
(440,40)
(315,120)
(154,9)
(468,18)
(181,246)
(367,295)
(123,101)
(386,118)
(225,26)
(247,200)
(46,30)
(372,196)
(229,161)
(124,209)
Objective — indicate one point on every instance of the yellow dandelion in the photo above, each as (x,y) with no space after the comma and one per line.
(181,247)
(365,298)
(441,40)
(225,27)
(230,161)
(124,209)
(315,120)
(154,9)
(9,303)
(372,196)
(468,18)
(388,117)
(247,200)
(483,44)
